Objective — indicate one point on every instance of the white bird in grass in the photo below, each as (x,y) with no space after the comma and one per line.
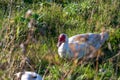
(80,45)
(27,75)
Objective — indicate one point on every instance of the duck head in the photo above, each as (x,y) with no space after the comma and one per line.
(62,39)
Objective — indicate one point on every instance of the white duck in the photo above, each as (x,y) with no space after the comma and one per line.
(27,75)
(74,47)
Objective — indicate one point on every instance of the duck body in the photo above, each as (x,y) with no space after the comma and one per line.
(71,47)
(27,75)
(70,50)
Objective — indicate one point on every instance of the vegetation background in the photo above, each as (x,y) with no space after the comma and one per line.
(54,17)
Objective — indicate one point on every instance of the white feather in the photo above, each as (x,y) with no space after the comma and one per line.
(27,75)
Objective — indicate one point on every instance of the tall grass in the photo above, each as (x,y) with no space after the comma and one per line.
(57,17)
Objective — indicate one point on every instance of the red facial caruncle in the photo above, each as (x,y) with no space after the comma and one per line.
(61,39)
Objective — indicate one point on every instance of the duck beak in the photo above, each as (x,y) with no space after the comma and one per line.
(58,44)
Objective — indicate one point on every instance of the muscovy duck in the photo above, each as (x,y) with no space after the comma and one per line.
(27,75)
(80,45)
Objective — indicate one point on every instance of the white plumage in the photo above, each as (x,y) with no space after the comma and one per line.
(76,46)
(27,75)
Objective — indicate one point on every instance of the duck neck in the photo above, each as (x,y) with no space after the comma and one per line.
(64,50)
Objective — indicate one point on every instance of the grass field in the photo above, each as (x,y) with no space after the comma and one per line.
(52,18)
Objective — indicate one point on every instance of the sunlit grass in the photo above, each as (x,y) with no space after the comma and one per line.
(72,19)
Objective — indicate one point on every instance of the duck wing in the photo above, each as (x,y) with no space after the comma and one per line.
(79,50)
(76,38)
